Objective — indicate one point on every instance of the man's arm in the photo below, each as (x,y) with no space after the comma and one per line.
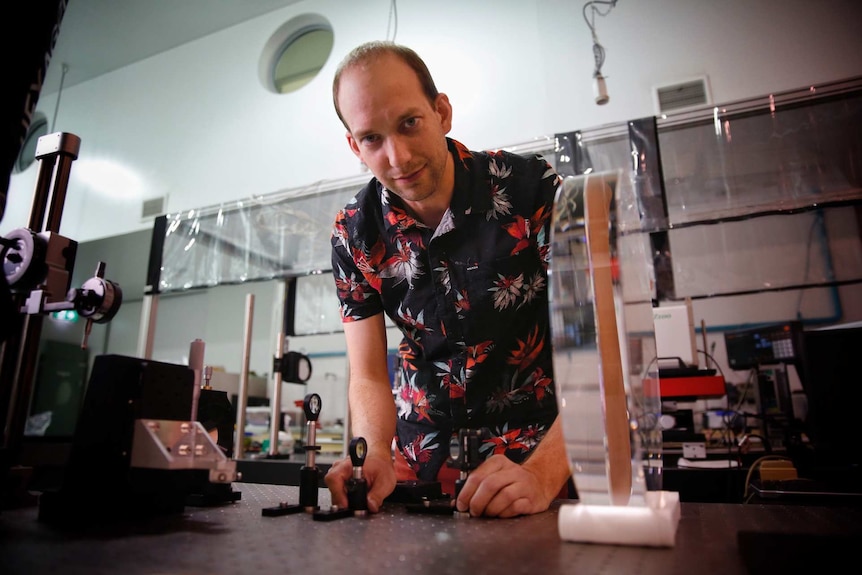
(502,488)
(550,462)
(372,412)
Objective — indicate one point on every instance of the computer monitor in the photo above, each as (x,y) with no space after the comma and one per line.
(831,376)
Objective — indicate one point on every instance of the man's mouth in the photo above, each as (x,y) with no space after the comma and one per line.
(410,177)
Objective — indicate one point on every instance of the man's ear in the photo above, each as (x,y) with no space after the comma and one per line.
(444,111)
(354,147)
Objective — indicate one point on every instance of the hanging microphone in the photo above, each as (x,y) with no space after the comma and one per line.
(600,89)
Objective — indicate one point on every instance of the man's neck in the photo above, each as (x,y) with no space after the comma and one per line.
(428,215)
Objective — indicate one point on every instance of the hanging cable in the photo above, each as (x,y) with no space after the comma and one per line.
(393,21)
(59,94)
(602,8)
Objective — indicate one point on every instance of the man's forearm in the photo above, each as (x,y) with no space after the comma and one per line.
(372,407)
(550,462)
(372,415)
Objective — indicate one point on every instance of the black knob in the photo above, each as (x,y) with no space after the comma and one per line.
(311,406)
(358,449)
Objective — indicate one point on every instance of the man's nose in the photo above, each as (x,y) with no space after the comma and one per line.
(398,151)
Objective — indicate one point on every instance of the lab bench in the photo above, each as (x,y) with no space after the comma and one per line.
(237,538)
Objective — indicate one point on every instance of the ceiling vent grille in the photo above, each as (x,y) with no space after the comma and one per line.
(689,94)
(153,207)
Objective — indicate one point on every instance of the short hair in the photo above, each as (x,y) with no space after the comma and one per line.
(371,50)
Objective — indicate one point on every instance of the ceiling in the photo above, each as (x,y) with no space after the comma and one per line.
(100,36)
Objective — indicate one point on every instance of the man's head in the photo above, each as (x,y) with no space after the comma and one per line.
(369,51)
(397,122)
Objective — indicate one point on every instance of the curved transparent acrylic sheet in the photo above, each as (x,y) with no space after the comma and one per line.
(601,289)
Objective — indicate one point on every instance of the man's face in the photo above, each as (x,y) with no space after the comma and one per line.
(394,129)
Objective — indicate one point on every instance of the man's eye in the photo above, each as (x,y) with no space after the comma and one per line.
(411,122)
(370,139)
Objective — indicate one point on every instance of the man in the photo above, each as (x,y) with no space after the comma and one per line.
(453,246)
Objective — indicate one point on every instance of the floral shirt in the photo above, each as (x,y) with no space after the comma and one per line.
(470,298)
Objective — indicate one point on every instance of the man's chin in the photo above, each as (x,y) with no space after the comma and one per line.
(401,192)
(415,192)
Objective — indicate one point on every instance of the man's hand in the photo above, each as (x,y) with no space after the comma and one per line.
(378,472)
(502,488)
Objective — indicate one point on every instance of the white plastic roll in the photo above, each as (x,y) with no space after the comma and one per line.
(653,525)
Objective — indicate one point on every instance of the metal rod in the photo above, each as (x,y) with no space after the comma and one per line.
(196,363)
(22,384)
(311,440)
(61,148)
(242,395)
(41,193)
(147,329)
(62,170)
(275,415)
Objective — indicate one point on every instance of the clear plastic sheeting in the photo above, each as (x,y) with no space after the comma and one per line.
(774,252)
(592,151)
(262,238)
(319,312)
(779,152)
